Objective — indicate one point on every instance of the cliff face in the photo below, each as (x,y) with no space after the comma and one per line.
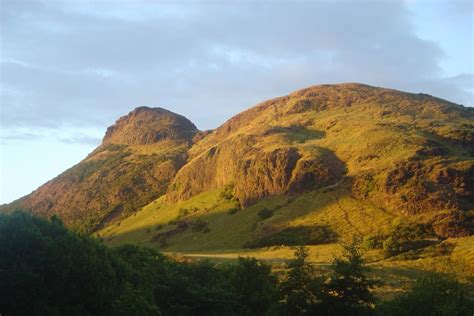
(139,156)
(255,173)
(405,153)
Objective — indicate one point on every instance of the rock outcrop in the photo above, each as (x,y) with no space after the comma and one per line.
(145,126)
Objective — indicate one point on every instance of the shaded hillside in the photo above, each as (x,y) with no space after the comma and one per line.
(138,157)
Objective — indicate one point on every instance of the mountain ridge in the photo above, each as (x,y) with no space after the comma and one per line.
(404,152)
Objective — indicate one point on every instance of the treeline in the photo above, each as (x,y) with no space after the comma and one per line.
(46,269)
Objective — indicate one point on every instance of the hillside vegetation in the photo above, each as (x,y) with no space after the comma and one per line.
(318,167)
(67,273)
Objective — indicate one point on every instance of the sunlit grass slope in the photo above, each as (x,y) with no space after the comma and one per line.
(228,233)
(228,228)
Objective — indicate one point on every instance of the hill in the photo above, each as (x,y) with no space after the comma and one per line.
(318,166)
(138,157)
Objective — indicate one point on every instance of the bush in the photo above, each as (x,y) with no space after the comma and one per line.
(200,226)
(402,238)
(265,213)
(232,211)
(183,212)
(391,246)
(228,193)
(371,242)
(294,236)
(433,294)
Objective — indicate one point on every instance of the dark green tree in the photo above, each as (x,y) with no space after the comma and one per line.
(347,292)
(255,286)
(300,289)
(46,269)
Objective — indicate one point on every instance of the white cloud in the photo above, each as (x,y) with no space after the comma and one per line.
(84,63)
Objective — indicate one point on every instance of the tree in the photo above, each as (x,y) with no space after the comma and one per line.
(46,269)
(432,294)
(300,289)
(348,288)
(255,285)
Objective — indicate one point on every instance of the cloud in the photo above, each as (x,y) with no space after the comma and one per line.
(60,134)
(85,63)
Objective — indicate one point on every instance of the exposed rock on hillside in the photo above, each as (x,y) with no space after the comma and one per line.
(256,173)
(145,126)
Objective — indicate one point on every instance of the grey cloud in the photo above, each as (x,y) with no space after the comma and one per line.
(84,63)
(66,135)
(81,139)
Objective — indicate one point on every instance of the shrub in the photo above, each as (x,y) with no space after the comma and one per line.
(265,213)
(232,211)
(433,294)
(183,212)
(200,226)
(391,245)
(371,242)
(402,238)
(294,236)
(228,193)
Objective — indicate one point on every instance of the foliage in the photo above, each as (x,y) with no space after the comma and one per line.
(200,226)
(293,236)
(300,289)
(265,213)
(372,242)
(255,285)
(227,193)
(433,294)
(46,269)
(348,288)
(232,210)
(403,237)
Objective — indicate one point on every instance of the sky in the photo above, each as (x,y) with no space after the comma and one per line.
(69,69)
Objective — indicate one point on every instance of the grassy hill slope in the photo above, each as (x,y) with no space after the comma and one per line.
(321,166)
